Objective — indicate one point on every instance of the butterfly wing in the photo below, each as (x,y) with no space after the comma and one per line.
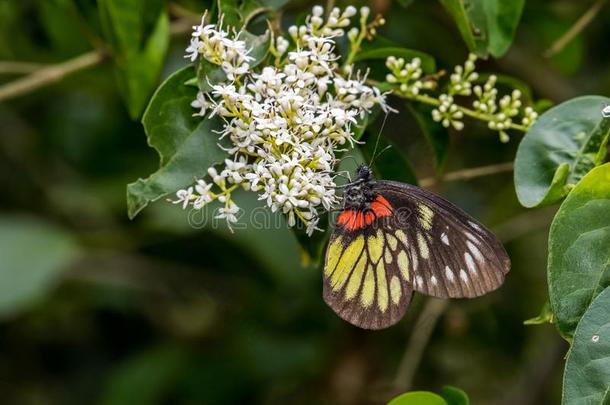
(411,240)
(363,282)
(450,253)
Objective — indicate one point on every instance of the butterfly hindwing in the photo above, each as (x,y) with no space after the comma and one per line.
(451,254)
(363,282)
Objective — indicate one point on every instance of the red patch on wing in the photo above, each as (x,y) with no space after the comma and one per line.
(381,207)
(353,219)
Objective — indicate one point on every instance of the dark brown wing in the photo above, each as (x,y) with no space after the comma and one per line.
(450,253)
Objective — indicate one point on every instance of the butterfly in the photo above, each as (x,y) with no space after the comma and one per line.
(391,239)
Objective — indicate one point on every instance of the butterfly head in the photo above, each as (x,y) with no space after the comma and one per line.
(364,173)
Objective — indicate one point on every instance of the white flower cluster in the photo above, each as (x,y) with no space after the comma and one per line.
(284,122)
(408,75)
(448,113)
(499,114)
(215,45)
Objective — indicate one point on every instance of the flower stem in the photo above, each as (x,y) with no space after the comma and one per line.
(423,98)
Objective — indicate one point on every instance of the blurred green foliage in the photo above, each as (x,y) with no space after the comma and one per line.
(97,308)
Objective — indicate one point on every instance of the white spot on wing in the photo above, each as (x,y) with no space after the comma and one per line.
(475,251)
(463,275)
(475,226)
(449,274)
(445,238)
(420,281)
(470,263)
(471,237)
(433,280)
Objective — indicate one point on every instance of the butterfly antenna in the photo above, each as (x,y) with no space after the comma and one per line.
(385,118)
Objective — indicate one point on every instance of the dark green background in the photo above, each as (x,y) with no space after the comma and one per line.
(154,311)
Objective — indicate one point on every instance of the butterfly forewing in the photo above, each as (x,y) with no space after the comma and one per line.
(452,255)
(410,240)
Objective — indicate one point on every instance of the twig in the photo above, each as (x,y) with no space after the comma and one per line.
(422,331)
(575,29)
(467,174)
(50,74)
(9,67)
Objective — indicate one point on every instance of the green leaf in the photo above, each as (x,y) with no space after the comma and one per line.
(239,13)
(545,316)
(418,398)
(187,146)
(454,396)
(579,254)
(469,17)
(138,57)
(427,62)
(151,374)
(587,374)
(391,164)
(502,21)
(34,256)
(63,26)
(487,26)
(436,136)
(559,149)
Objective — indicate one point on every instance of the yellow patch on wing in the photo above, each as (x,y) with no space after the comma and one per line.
(332,257)
(387,255)
(356,278)
(392,241)
(346,263)
(425,216)
(375,246)
(424,251)
(368,288)
(395,290)
(401,236)
(382,284)
(403,264)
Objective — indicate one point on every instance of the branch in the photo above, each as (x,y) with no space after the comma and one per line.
(575,29)
(8,67)
(467,174)
(51,74)
(422,331)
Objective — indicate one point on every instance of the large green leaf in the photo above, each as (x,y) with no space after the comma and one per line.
(487,26)
(33,256)
(138,46)
(187,146)
(587,375)
(418,398)
(579,249)
(454,396)
(561,147)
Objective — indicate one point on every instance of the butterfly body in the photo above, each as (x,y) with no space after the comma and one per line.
(392,239)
